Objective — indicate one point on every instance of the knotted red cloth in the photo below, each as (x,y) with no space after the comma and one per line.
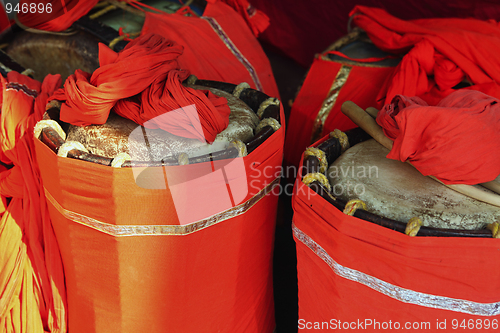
(457,141)
(441,53)
(144,82)
(52,15)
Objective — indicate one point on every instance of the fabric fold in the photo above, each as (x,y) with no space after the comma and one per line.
(457,141)
(32,290)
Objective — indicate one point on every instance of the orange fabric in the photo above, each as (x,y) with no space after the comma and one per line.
(457,141)
(444,266)
(362,86)
(124,75)
(441,52)
(256,20)
(32,293)
(54,15)
(217,279)
(218,46)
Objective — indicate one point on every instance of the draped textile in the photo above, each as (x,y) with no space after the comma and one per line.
(146,67)
(457,141)
(256,19)
(316,109)
(218,46)
(132,265)
(303,28)
(351,270)
(441,53)
(32,291)
(53,15)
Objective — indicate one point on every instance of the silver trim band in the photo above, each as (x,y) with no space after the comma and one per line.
(396,292)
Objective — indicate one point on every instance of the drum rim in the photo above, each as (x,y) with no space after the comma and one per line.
(256,100)
(332,149)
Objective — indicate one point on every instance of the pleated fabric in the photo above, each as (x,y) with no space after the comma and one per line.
(32,291)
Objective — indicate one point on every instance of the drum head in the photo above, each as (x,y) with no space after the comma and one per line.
(398,191)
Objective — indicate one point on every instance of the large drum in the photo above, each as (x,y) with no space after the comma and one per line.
(357,269)
(159,233)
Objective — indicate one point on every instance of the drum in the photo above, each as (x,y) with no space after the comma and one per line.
(352,68)
(398,191)
(165,228)
(358,264)
(77,48)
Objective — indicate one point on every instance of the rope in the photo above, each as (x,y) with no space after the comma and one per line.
(319,177)
(102,12)
(342,137)
(320,155)
(494,227)
(353,205)
(413,226)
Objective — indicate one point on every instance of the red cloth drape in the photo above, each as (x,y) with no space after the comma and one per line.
(351,270)
(32,292)
(256,20)
(133,265)
(457,141)
(53,15)
(218,46)
(442,52)
(146,67)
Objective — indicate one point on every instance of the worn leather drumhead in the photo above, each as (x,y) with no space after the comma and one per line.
(120,135)
(398,191)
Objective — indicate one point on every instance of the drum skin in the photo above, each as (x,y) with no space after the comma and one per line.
(352,271)
(396,190)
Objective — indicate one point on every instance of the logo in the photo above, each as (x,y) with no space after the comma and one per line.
(198,190)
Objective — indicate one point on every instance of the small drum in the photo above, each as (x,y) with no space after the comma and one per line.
(391,193)
(398,191)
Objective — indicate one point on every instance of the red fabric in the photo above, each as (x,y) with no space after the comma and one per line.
(217,279)
(303,28)
(89,98)
(56,15)
(361,86)
(457,141)
(256,20)
(454,267)
(441,51)
(32,292)
(219,46)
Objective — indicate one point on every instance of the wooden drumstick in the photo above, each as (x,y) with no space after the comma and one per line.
(370,126)
(372,112)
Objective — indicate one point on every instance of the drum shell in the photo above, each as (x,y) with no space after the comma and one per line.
(350,269)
